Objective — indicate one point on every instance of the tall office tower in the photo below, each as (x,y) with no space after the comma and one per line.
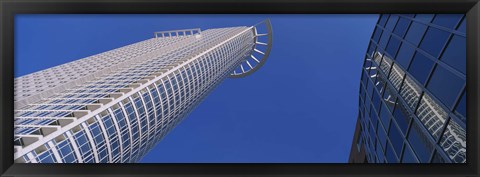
(412,105)
(115,106)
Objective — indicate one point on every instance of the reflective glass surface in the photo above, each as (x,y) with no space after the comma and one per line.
(455,53)
(420,67)
(447,92)
(434,41)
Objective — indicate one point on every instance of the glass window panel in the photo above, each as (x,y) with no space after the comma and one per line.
(420,143)
(383,20)
(431,115)
(396,76)
(380,155)
(410,92)
(401,27)
(384,39)
(427,18)
(420,67)
(391,22)
(385,65)
(447,20)
(391,158)
(402,117)
(405,55)
(384,115)
(389,98)
(396,138)
(409,15)
(463,26)
(434,41)
(462,107)
(392,46)
(382,135)
(371,49)
(455,53)
(445,85)
(454,142)
(408,156)
(415,33)
(376,34)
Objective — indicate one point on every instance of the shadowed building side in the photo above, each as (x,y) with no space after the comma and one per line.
(412,105)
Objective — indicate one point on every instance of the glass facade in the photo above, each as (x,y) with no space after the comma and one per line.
(119,104)
(412,90)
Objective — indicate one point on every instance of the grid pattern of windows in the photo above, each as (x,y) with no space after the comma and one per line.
(412,90)
(119,115)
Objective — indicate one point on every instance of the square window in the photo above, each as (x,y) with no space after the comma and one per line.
(408,156)
(396,138)
(447,20)
(454,142)
(427,18)
(420,67)
(410,92)
(434,41)
(401,27)
(415,33)
(392,21)
(455,53)
(376,34)
(392,46)
(383,20)
(445,85)
(405,55)
(384,39)
(422,147)
(402,117)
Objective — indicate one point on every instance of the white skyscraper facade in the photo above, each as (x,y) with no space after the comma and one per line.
(115,106)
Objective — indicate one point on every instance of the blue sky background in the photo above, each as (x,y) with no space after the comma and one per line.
(301,106)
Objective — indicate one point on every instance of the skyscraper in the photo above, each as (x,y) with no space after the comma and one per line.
(412,104)
(115,106)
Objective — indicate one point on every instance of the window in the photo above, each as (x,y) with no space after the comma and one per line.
(405,55)
(415,33)
(376,34)
(393,46)
(420,67)
(384,39)
(455,53)
(420,144)
(434,41)
(445,85)
(383,20)
(454,142)
(391,157)
(447,20)
(391,22)
(408,156)
(371,49)
(384,115)
(401,27)
(402,118)
(396,138)
(427,18)
(382,135)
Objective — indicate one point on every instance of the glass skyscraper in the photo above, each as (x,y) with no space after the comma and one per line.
(412,104)
(115,106)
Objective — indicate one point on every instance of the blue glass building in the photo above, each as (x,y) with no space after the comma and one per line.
(412,104)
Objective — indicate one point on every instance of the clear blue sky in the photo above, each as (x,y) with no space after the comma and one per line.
(301,106)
